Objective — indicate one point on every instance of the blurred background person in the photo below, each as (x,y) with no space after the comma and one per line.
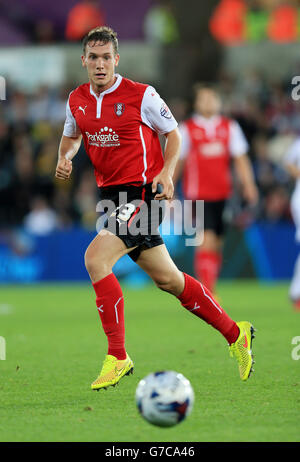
(84,16)
(160,25)
(41,220)
(292,162)
(209,142)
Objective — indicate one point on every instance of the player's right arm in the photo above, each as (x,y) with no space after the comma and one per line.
(68,148)
(69,145)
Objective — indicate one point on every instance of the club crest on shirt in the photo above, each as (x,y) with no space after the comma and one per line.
(119,109)
(165,111)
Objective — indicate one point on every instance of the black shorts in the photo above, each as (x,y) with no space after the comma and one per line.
(132,214)
(213,216)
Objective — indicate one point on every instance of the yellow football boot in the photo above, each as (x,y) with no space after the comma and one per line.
(241,349)
(112,371)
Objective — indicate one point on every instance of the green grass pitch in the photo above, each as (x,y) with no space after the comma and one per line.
(55,348)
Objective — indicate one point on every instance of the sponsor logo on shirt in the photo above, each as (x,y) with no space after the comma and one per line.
(212,149)
(165,111)
(104,138)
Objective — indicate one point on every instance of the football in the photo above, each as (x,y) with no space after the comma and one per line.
(164,398)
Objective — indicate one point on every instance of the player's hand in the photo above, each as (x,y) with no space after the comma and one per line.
(63,168)
(165,179)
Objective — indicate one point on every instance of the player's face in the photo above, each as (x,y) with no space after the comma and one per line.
(207,102)
(100,62)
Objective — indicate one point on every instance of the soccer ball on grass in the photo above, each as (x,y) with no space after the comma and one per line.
(164,398)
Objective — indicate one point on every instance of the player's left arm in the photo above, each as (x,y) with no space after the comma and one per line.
(171,156)
(244,172)
(156,114)
(238,148)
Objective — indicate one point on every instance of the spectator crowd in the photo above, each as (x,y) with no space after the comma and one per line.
(31,127)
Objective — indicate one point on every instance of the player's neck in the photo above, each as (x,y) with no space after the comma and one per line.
(98,89)
(207,115)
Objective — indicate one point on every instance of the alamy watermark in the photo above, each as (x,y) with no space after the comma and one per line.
(2,349)
(2,88)
(296,90)
(139,217)
(296,349)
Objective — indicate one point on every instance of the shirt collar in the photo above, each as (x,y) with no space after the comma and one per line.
(109,90)
(200,120)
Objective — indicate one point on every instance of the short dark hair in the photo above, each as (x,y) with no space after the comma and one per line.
(102,34)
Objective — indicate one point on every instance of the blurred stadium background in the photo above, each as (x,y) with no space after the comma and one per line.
(249,47)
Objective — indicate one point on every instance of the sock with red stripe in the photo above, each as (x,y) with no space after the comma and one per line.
(110,305)
(207,265)
(197,299)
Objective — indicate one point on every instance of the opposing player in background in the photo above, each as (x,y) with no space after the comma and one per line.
(292,162)
(119,121)
(209,142)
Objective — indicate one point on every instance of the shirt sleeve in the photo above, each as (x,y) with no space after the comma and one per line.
(238,144)
(185,140)
(71,128)
(155,113)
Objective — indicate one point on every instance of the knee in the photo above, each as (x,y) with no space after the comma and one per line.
(211,241)
(96,265)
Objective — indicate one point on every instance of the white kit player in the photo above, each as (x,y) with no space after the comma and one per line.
(292,162)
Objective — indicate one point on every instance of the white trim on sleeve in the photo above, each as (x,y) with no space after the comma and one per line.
(144,155)
(238,144)
(155,113)
(185,140)
(71,128)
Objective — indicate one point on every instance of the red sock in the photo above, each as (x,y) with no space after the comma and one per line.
(198,300)
(110,304)
(207,265)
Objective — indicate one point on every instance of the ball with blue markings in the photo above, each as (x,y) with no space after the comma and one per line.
(164,398)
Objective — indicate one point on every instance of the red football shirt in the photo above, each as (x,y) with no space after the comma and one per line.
(120,130)
(207,146)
